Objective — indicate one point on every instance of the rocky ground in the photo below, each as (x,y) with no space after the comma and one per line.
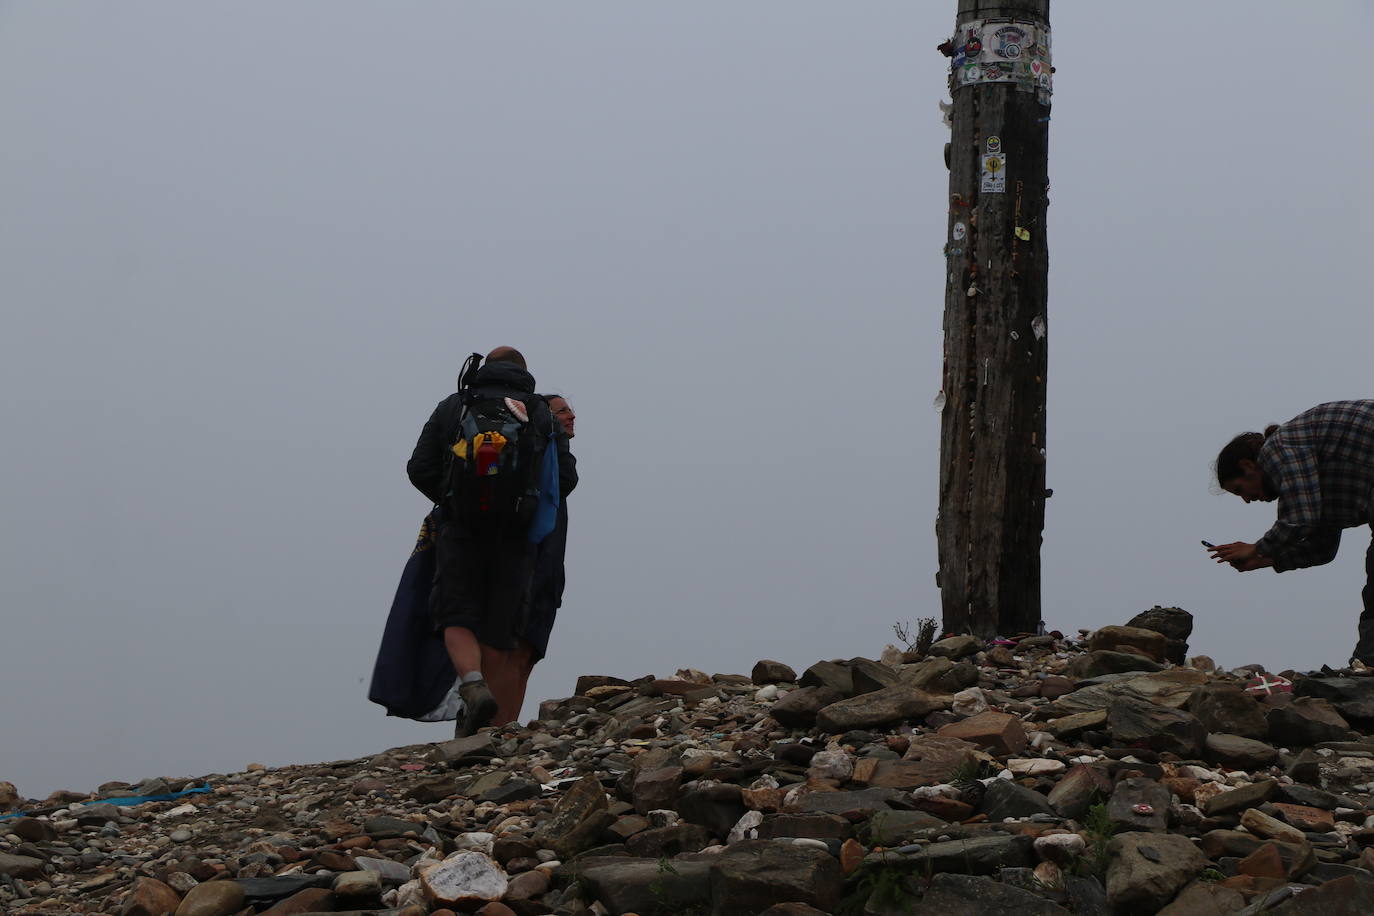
(1097,775)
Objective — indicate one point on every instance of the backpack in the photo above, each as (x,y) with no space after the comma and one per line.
(500,460)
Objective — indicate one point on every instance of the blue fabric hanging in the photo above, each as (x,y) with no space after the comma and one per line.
(546,512)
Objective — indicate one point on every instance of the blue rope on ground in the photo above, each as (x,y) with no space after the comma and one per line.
(130,800)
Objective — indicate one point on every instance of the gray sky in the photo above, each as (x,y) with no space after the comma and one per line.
(244,248)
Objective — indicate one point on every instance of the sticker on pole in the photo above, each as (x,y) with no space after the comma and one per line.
(994,180)
(959,231)
(1002,51)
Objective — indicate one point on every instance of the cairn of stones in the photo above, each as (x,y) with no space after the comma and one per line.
(1105,773)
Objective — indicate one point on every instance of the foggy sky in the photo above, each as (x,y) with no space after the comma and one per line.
(244,248)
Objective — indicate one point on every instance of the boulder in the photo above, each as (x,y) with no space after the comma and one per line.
(1147,870)
(885,706)
(1128,639)
(752,875)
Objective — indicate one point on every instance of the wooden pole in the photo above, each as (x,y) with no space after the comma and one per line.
(992,455)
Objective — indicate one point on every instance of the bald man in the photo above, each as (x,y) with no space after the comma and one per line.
(480,598)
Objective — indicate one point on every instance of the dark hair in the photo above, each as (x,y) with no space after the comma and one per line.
(507,355)
(549,397)
(1244,447)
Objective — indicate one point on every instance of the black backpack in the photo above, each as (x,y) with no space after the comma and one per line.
(497,457)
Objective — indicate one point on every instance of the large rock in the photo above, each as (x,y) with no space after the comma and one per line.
(1306,721)
(1347,896)
(829,674)
(800,707)
(767,671)
(928,761)
(1126,639)
(1105,661)
(1174,623)
(626,885)
(981,855)
(753,875)
(1229,709)
(1138,803)
(1352,697)
(1239,753)
(972,895)
(578,819)
(24,867)
(1005,798)
(1234,801)
(656,789)
(925,674)
(717,808)
(149,897)
(868,675)
(1147,870)
(459,752)
(1137,723)
(998,732)
(955,647)
(1205,900)
(465,880)
(886,706)
(213,898)
(1083,786)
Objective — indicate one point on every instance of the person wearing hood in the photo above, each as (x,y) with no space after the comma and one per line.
(481,590)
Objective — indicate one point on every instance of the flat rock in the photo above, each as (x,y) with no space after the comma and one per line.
(627,885)
(149,897)
(213,898)
(1148,870)
(973,895)
(1106,661)
(1146,642)
(955,647)
(885,706)
(1239,753)
(755,874)
(997,732)
(1227,708)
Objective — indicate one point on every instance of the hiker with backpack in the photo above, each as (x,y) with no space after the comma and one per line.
(1319,467)
(492,460)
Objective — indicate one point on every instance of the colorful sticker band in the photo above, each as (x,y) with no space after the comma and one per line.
(1003,51)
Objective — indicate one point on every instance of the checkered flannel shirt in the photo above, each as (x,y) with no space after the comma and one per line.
(1321,462)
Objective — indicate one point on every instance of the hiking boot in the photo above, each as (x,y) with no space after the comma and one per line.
(481,708)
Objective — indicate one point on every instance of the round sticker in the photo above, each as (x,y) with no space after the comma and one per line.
(994,144)
(960,230)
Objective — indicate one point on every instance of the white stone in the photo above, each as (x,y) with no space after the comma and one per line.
(476,840)
(892,656)
(180,810)
(1059,847)
(766,693)
(969,702)
(464,878)
(1035,766)
(746,828)
(810,843)
(831,765)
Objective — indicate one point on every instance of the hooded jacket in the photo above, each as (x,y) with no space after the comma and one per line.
(429,462)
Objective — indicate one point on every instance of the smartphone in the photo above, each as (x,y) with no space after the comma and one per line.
(1209,545)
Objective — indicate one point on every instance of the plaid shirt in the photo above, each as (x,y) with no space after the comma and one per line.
(1321,463)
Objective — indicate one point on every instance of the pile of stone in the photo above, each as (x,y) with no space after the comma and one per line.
(1102,774)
